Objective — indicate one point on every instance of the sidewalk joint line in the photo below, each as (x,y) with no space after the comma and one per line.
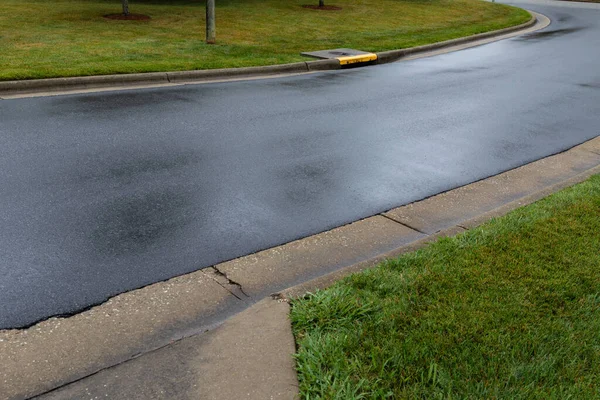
(404,224)
(594,152)
(108,367)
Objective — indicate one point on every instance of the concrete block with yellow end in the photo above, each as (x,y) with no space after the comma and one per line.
(368,58)
(346,57)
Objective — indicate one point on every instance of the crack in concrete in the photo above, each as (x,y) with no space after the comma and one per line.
(231,281)
(462,227)
(216,271)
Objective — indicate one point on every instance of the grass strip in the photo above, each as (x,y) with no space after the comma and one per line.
(59,38)
(508,310)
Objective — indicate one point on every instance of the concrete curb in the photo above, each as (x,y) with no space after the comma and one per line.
(200,75)
(53,85)
(328,280)
(394,55)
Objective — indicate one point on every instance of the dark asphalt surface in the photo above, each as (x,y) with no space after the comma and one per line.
(107,192)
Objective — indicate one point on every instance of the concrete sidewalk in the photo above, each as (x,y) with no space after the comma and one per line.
(250,354)
(248,357)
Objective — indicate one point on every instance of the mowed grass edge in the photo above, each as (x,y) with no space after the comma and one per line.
(509,310)
(60,38)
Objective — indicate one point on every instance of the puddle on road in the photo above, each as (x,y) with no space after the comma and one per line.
(462,70)
(118,102)
(124,166)
(131,224)
(547,34)
(591,85)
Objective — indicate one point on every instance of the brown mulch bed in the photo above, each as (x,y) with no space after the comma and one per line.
(324,8)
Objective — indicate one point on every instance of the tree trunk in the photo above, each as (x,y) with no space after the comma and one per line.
(210,22)
(321,3)
(125,4)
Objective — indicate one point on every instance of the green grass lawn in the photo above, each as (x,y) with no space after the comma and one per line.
(51,38)
(509,310)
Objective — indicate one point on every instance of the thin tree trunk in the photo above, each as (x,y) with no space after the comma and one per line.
(125,4)
(321,3)
(210,22)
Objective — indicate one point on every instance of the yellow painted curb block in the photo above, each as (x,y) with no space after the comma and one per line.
(361,58)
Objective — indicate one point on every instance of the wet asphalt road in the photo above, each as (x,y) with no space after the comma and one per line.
(102,193)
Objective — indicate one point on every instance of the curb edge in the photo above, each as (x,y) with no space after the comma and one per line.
(394,55)
(328,280)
